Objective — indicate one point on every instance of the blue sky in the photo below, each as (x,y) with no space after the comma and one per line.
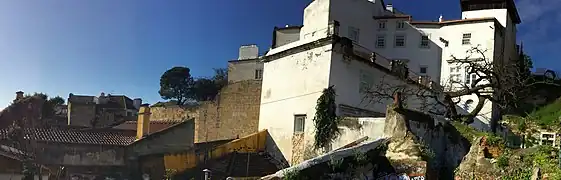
(122,47)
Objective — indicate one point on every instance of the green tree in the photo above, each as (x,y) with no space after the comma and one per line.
(206,89)
(326,120)
(176,84)
(56,101)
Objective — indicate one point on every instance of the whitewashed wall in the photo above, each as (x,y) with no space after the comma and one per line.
(371,127)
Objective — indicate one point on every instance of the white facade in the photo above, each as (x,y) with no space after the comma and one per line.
(294,79)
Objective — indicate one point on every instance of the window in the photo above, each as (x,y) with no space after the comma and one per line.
(381,41)
(299,121)
(399,40)
(423,70)
(424,41)
(466,39)
(366,81)
(259,74)
(382,25)
(400,25)
(455,74)
(354,33)
(470,78)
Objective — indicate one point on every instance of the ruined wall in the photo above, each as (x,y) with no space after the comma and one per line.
(169,113)
(81,114)
(82,155)
(357,128)
(235,113)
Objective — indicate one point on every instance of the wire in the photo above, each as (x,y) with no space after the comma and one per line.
(292,97)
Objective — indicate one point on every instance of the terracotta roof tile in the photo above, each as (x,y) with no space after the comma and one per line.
(95,137)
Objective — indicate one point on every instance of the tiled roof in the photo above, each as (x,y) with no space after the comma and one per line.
(94,137)
(155,125)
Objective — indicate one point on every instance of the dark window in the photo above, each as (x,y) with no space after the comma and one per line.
(258,74)
(423,70)
(466,39)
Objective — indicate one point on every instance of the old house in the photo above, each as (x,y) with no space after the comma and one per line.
(247,66)
(11,164)
(101,111)
(234,113)
(81,153)
(163,153)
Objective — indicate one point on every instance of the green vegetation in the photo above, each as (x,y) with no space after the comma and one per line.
(469,132)
(326,120)
(178,84)
(547,116)
(519,164)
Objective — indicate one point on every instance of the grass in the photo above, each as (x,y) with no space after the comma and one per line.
(548,116)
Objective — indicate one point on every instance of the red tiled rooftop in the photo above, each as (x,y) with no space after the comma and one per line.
(94,137)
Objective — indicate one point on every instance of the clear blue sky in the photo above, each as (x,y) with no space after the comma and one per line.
(122,47)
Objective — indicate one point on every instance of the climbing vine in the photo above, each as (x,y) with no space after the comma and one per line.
(326,120)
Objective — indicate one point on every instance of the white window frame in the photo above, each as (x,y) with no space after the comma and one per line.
(400,25)
(299,123)
(382,25)
(422,41)
(455,74)
(404,40)
(381,38)
(466,38)
(258,74)
(469,78)
(353,31)
(426,70)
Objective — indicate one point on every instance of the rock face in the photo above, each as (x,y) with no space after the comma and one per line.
(421,145)
(475,164)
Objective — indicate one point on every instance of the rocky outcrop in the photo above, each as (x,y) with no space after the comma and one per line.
(423,145)
(475,163)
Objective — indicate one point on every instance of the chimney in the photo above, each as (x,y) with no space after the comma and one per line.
(19,95)
(143,124)
(136,103)
(389,7)
(248,52)
(440,18)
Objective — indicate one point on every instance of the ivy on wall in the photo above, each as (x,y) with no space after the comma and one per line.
(326,120)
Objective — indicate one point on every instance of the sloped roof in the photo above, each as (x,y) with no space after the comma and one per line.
(155,126)
(93,137)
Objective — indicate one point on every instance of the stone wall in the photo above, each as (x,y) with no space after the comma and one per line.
(172,113)
(82,155)
(234,113)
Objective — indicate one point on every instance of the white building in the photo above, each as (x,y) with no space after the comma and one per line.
(296,72)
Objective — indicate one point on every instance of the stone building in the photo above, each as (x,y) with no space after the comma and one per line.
(247,66)
(235,113)
(83,154)
(101,111)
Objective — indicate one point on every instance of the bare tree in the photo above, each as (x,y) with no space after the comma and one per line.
(504,83)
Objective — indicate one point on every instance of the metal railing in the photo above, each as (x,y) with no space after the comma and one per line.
(393,65)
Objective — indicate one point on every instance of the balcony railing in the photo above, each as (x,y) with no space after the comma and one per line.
(399,68)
